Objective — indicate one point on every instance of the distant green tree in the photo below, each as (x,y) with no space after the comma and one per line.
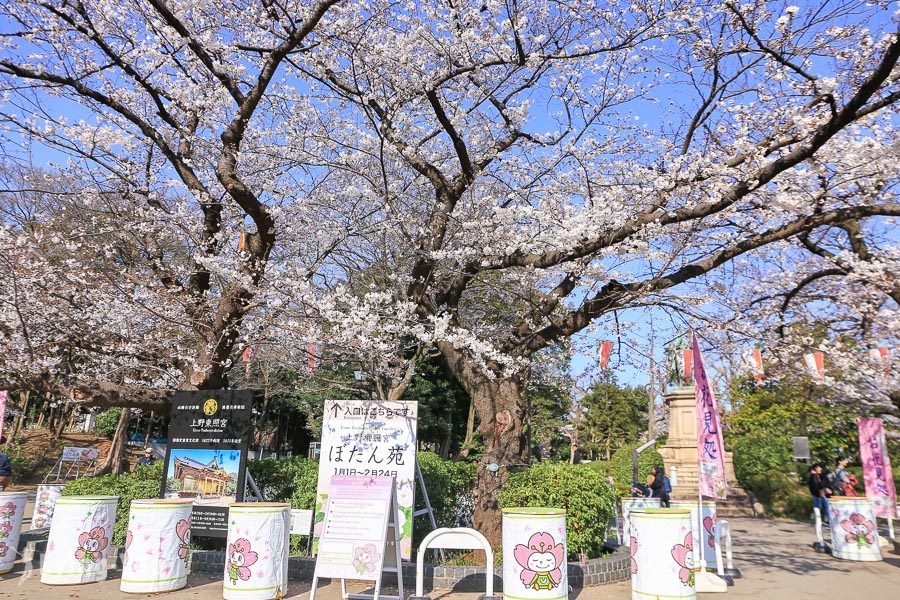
(548,403)
(443,406)
(615,416)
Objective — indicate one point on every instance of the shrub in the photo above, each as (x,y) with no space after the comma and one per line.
(144,482)
(756,454)
(445,481)
(772,488)
(799,505)
(620,466)
(107,422)
(585,496)
(278,479)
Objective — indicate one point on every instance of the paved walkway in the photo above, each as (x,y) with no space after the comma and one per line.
(775,556)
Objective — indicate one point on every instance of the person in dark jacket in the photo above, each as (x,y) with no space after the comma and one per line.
(5,468)
(818,487)
(658,486)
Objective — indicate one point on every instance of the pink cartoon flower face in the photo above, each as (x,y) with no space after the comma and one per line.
(634,548)
(7,510)
(183,531)
(709,524)
(684,557)
(4,549)
(540,561)
(240,559)
(366,558)
(5,529)
(91,545)
(859,530)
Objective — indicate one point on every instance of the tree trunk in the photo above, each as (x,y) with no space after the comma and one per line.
(470,430)
(113,462)
(61,420)
(20,419)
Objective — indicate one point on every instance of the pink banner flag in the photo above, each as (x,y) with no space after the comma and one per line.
(606,347)
(877,467)
(710,448)
(755,363)
(815,364)
(4,396)
(882,357)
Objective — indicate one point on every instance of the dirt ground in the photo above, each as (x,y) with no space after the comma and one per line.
(775,557)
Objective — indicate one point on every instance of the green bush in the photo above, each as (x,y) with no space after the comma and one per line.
(585,496)
(280,479)
(107,422)
(620,466)
(144,482)
(772,488)
(756,454)
(445,480)
(798,505)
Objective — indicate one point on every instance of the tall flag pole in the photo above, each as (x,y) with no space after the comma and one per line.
(710,447)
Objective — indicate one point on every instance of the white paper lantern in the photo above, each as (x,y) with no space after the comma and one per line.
(79,541)
(157,546)
(534,554)
(854,531)
(44,503)
(709,530)
(662,554)
(630,504)
(256,557)
(12,510)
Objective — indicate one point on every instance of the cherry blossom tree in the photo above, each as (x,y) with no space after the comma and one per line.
(607,155)
(168,127)
(490,178)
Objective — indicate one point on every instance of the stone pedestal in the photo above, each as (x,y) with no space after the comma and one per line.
(680,450)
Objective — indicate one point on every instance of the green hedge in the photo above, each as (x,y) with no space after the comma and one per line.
(445,481)
(620,466)
(581,491)
(757,454)
(144,482)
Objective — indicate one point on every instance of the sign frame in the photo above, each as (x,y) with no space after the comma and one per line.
(204,424)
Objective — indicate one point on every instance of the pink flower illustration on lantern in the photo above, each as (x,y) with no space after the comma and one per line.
(366,558)
(684,556)
(91,545)
(709,524)
(634,548)
(240,558)
(5,529)
(859,530)
(183,531)
(3,549)
(129,537)
(540,561)
(7,510)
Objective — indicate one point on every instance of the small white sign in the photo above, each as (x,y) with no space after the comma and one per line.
(301,521)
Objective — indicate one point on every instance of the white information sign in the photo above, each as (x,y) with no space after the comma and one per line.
(301,521)
(74,454)
(369,439)
(352,543)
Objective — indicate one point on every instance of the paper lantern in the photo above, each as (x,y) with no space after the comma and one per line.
(534,554)
(854,531)
(44,503)
(630,504)
(256,556)
(662,554)
(12,510)
(157,546)
(80,535)
(709,530)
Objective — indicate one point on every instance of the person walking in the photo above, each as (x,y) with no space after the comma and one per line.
(658,486)
(5,467)
(844,481)
(819,489)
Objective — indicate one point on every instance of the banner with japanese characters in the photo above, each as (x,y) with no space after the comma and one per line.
(370,439)
(710,448)
(877,472)
(206,457)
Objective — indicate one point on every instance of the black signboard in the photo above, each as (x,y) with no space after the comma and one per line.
(206,457)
